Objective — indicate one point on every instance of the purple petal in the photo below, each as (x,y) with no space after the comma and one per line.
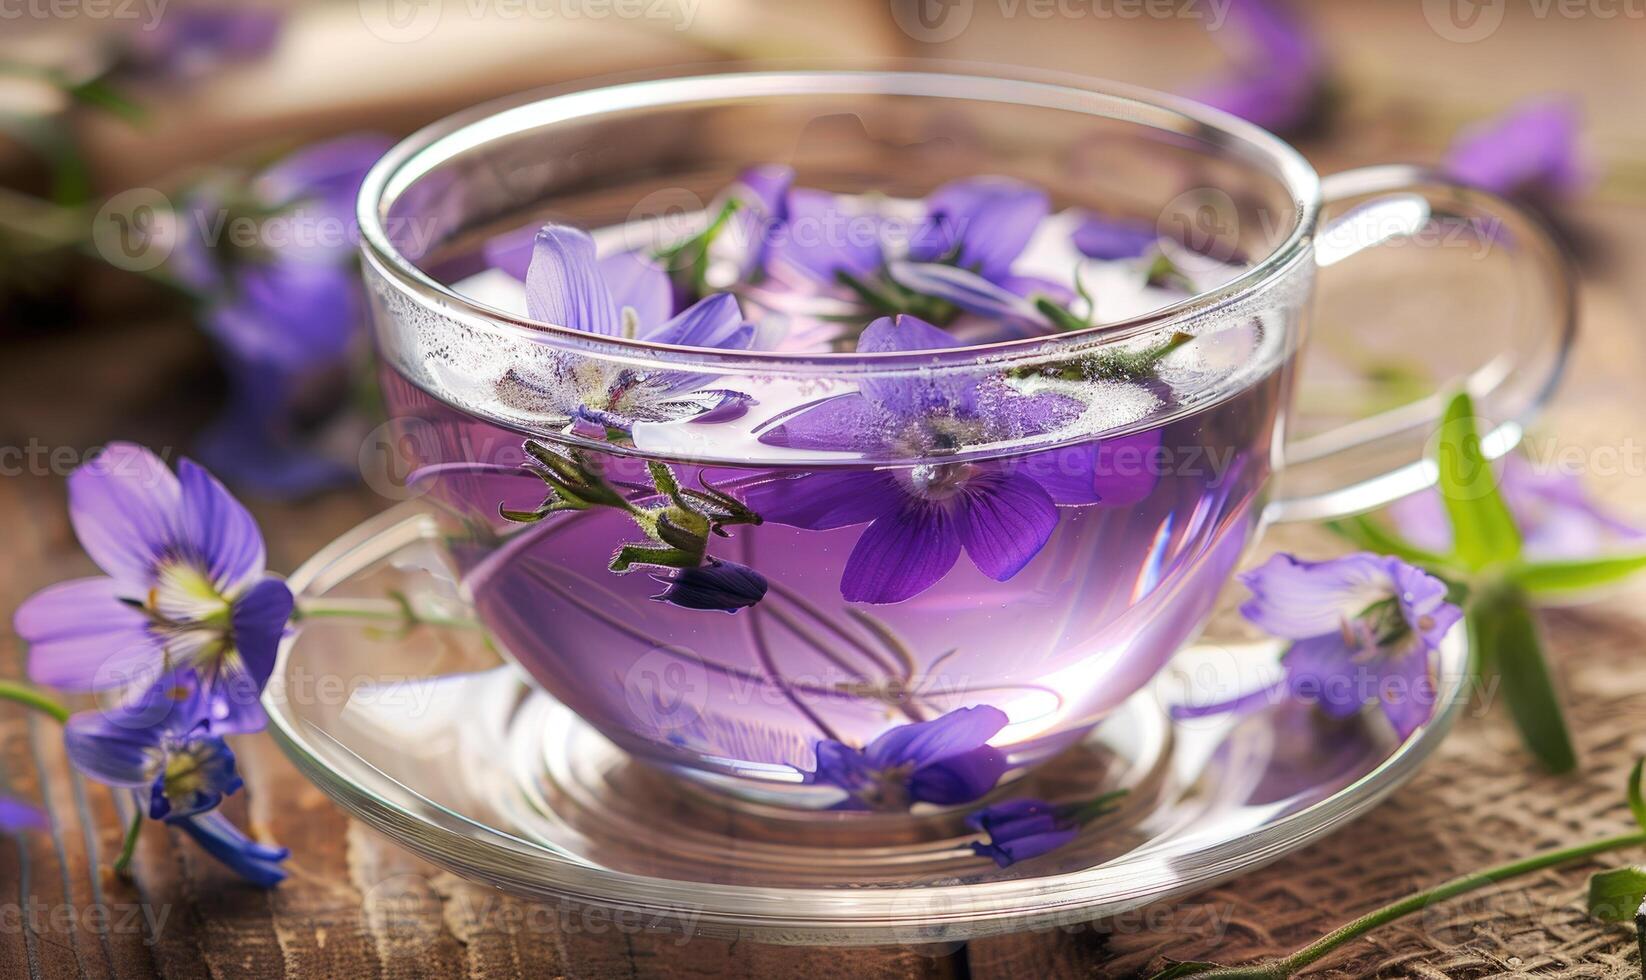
(958,778)
(1014,818)
(914,395)
(563,284)
(125,506)
(763,191)
(257,863)
(198,39)
(1004,521)
(1277,69)
(512,251)
(1301,599)
(1531,147)
(113,748)
(824,238)
(1114,472)
(846,423)
(259,620)
(979,223)
(636,281)
(289,313)
(220,531)
(328,173)
(1015,416)
(16,816)
(1109,239)
(825,499)
(82,637)
(1030,287)
(925,742)
(1009,852)
(1409,691)
(1323,671)
(1423,604)
(901,554)
(714,321)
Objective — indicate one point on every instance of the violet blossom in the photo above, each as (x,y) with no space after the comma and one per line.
(188,41)
(999,512)
(162,743)
(287,312)
(1363,628)
(17,816)
(1529,152)
(1021,829)
(629,296)
(1556,516)
(944,761)
(1111,239)
(1277,72)
(185,588)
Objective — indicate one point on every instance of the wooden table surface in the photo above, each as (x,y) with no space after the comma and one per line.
(357,906)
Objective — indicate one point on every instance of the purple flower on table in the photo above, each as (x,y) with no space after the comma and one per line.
(185,589)
(161,742)
(718,585)
(1556,516)
(286,312)
(194,40)
(1531,151)
(17,816)
(1363,627)
(945,761)
(1021,829)
(761,194)
(919,518)
(624,296)
(1277,72)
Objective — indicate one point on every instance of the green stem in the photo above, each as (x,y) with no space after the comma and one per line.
(29,697)
(1418,901)
(129,848)
(376,610)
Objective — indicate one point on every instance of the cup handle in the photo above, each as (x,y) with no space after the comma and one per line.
(1387,202)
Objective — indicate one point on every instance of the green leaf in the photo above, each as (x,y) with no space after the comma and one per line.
(1371,534)
(1637,804)
(1483,530)
(1506,641)
(1616,895)
(1556,578)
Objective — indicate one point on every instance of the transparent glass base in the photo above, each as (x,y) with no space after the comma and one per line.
(425,735)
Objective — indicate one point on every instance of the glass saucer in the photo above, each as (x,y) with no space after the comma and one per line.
(427,735)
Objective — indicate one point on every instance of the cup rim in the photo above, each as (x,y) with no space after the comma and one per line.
(437,144)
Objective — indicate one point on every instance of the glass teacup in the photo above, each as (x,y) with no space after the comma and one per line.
(764,567)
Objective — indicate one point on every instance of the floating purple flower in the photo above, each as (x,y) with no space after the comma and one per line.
(944,761)
(1556,516)
(194,40)
(185,589)
(286,311)
(719,584)
(1531,151)
(761,194)
(624,296)
(1277,71)
(1109,239)
(1021,829)
(17,816)
(1364,627)
(922,517)
(162,741)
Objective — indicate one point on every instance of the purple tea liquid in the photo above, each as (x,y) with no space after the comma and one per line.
(1089,620)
